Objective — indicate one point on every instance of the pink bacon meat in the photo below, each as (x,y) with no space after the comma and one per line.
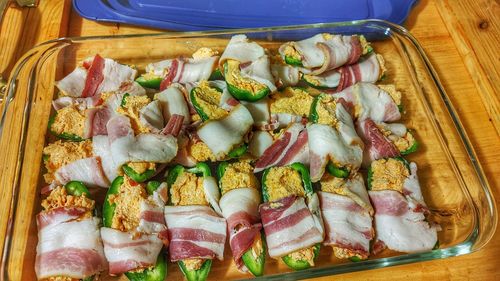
(195,232)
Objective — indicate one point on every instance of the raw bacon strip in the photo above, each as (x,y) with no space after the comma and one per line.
(371,102)
(125,253)
(125,147)
(366,71)
(101,149)
(95,77)
(173,126)
(285,75)
(96,120)
(260,71)
(58,216)
(259,143)
(297,152)
(184,70)
(80,103)
(72,85)
(172,102)
(339,51)
(240,49)
(348,225)
(326,144)
(151,116)
(282,148)
(67,247)
(87,170)
(195,232)
(377,145)
(224,134)
(240,207)
(289,226)
(400,224)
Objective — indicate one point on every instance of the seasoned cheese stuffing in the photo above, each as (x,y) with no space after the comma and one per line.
(293,101)
(306,254)
(208,99)
(70,121)
(131,107)
(188,190)
(388,174)
(59,198)
(239,174)
(141,167)
(326,111)
(61,153)
(282,182)
(200,152)
(128,205)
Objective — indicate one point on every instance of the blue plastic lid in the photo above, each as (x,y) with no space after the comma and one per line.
(216,14)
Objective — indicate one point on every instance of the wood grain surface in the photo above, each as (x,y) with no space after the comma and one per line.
(460,37)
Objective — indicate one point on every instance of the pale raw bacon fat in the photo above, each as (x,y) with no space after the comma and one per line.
(326,144)
(67,247)
(101,149)
(260,71)
(290,147)
(87,170)
(367,70)
(240,49)
(259,143)
(195,232)
(411,186)
(151,116)
(374,103)
(125,147)
(224,134)
(240,207)
(102,75)
(182,70)
(289,226)
(285,75)
(377,145)
(260,111)
(124,253)
(400,222)
(348,225)
(324,52)
(172,102)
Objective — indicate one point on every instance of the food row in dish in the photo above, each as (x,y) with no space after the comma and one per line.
(305,120)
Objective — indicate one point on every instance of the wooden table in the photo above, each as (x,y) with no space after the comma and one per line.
(461,38)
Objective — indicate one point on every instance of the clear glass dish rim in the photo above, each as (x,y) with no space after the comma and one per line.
(466,247)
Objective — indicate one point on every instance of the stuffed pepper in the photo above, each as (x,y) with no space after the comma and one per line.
(196,229)
(240,206)
(333,142)
(134,231)
(324,52)
(83,88)
(400,211)
(381,103)
(73,161)
(162,74)
(246,69)
(69,246)
(291,216)
(292,105)
(347,215)
(383,140)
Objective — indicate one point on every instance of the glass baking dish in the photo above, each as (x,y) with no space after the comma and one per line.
(452,180)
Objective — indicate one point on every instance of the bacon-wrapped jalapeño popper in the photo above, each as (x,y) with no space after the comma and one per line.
(196,229)
(291,216)
(69,246)
(240,206)
(400,211)
(246,69)
(134,231)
